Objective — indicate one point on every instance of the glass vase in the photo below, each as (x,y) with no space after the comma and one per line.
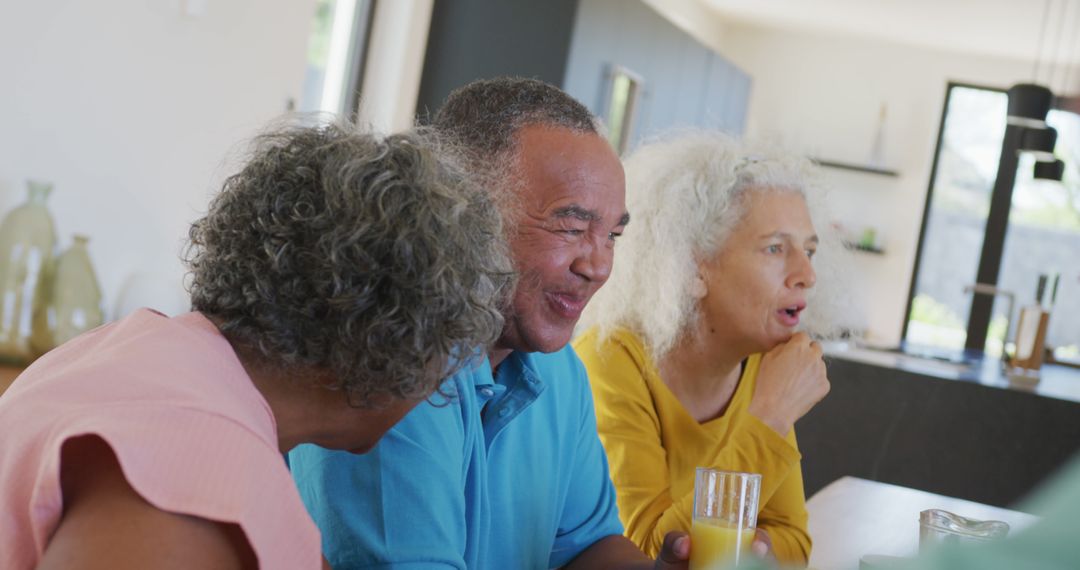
(27,243)
(72,304)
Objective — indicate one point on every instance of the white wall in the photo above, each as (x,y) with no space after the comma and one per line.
(821,94)
(130,107)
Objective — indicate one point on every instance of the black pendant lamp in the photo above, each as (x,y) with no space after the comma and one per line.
(1039,142)
(1052,170)
(1029,103)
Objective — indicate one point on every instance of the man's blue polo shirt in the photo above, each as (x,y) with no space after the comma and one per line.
(510,474)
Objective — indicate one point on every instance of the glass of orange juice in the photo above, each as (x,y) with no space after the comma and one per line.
(725,518)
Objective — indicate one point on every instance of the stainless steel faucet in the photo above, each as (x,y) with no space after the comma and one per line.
(986,289)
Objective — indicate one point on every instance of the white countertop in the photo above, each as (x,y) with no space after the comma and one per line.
(853,517)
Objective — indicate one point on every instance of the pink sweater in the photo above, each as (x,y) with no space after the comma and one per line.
(190,431)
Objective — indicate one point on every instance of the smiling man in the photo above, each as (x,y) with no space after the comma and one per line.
(508,472)
(571,210)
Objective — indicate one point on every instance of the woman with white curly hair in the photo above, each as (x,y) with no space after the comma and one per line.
(692,346)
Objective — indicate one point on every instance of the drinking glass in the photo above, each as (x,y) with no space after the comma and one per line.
(725,517)
(937,527)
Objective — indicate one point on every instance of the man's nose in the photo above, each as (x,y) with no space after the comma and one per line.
(594,263)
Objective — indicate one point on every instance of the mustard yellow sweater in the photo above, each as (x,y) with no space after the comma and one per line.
(654,445)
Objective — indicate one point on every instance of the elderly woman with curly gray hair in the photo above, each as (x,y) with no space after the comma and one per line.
(693,347)
(336,280)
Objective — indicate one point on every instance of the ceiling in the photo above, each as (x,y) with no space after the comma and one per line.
(999,28)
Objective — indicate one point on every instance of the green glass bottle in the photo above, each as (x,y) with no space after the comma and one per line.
(73,303)
(27,244)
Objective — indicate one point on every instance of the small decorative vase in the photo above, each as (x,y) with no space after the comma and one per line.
(73,303)
(27,242)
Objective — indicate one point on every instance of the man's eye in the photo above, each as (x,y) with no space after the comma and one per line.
(614,235)
(810,253)
(774,248)
(572,232)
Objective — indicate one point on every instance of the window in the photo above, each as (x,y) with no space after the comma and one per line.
(339,32)
(624,88)
(1041,231)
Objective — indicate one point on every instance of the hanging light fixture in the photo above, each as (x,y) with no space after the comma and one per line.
(1029,104)
(1052,170)
(1040,142)
(1047,166)
(1070,95)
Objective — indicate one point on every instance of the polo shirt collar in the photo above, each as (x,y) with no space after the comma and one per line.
(504,395)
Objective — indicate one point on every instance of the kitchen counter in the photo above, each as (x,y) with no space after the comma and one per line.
(1053,380)
(960,430)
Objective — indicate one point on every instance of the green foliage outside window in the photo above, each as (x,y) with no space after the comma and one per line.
(321,26)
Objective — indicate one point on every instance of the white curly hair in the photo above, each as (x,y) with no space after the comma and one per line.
(685,192)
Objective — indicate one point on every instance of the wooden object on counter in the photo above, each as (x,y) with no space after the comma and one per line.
(1031,338)
(1031,332)
(853,517)
(7,376)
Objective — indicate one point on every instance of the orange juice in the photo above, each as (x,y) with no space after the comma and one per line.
(717,545)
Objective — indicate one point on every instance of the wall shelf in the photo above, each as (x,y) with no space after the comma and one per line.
(864,248)
(864,168)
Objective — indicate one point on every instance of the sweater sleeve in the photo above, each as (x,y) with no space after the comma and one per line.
(785,518)
(748,444)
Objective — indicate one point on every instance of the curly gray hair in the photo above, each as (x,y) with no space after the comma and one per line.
(373,258)
(687,192)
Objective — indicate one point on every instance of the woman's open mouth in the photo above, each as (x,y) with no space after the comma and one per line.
(789,316)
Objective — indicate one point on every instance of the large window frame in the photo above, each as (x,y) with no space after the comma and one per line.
(994,224)
(992,251)
(334,86)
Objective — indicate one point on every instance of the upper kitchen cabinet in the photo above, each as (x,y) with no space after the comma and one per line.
(600,51)
(481,39)
(643,75)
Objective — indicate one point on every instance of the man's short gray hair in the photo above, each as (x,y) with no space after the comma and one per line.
(485,115)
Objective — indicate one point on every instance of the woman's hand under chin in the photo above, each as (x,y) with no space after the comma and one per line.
(791,381)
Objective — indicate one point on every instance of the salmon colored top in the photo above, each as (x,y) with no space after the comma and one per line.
(191,433)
